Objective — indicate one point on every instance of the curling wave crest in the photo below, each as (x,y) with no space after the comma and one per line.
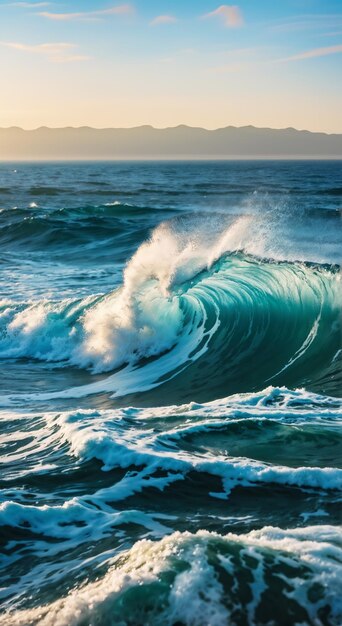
(202,315)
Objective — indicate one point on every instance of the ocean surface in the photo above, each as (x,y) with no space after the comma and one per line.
(170,393)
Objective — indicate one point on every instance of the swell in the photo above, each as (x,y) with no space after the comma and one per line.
(36,228)
(192,321)
(38,225)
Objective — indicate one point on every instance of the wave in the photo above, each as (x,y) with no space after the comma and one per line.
(69,227)
(224,438)
(264,576)
(46,190)
(39,227)
(148,472)
(199,315)
(333,191)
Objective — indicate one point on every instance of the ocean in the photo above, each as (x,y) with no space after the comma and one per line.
(170,393)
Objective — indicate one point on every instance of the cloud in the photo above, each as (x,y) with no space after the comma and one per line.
(122,9)
(246,58)
(229,14)
(308,22)
(29,5)
(163,19)
(336,33)
(316,52)
(55,52)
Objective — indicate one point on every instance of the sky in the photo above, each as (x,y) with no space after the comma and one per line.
(101,63)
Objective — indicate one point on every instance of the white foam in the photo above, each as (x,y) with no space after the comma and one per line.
(195,596)
(111,437)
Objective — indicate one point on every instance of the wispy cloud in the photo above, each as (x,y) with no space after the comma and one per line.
(29,5)
(55,52)
(230,15)
(315,52)
(122,9)
(307,22)
(336,33)
(244,59)
(163,19)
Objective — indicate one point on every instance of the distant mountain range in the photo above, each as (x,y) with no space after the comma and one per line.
(146,142)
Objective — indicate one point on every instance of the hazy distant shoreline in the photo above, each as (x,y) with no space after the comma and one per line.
(177,143)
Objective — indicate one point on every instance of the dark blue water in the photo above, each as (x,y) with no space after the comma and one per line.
(170,350)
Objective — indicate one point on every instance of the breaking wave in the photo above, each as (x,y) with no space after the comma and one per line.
(265,576)
(205,315)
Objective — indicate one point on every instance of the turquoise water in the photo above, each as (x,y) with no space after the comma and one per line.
(170,393)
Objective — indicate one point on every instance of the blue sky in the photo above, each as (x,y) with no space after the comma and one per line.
(167,62)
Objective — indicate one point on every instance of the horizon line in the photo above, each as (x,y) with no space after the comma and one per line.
(171,159)
(149,126)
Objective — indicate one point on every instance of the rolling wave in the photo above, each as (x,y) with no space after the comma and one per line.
(249,449)
(196,456)
(67,227)
(220,438)
(192,316)
(265,576)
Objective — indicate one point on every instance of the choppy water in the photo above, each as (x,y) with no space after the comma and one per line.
(170,345)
